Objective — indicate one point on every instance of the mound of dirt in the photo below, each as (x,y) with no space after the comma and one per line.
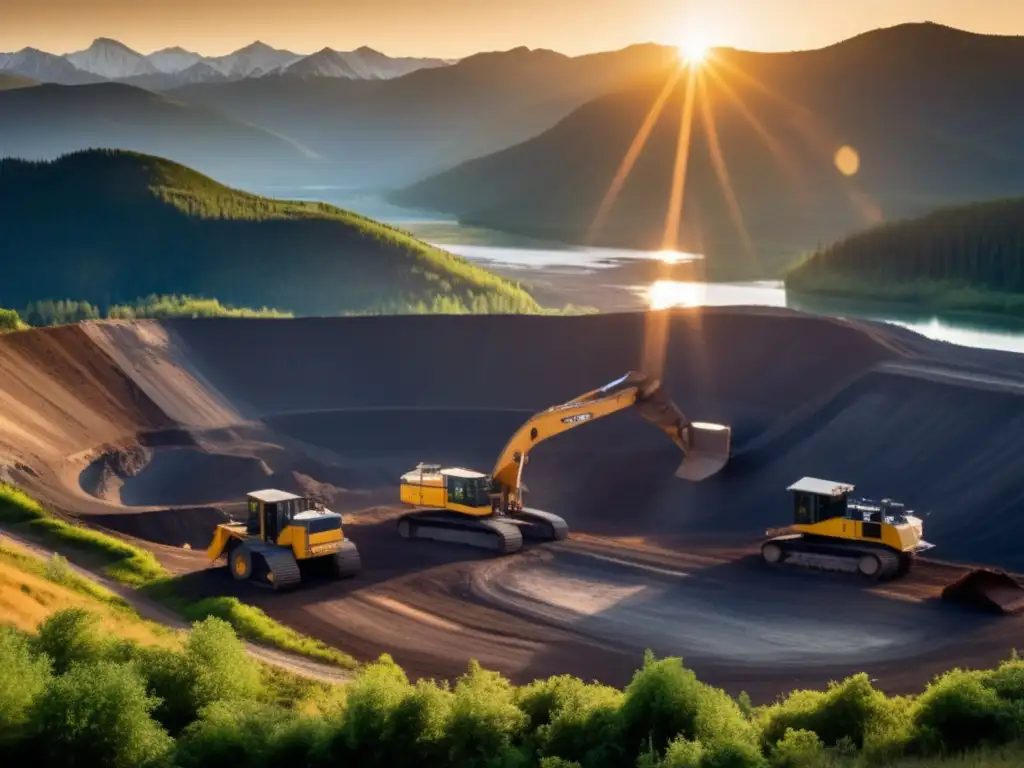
(60,394)
(987,589)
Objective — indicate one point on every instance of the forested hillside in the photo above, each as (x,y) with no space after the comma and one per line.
(966,257)
(108,227)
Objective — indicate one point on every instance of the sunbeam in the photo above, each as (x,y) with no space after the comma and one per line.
(633,153)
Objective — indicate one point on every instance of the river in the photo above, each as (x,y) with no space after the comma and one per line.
(615,280)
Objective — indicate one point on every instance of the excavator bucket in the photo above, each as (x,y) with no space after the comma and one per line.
(708,452)
(987,589)
(706,446)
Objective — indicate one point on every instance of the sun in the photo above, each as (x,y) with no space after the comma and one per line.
(694,51)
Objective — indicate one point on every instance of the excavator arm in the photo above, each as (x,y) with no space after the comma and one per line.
(705,446)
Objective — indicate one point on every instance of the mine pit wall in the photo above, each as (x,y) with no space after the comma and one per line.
(803,385)
(743,367)
(718,363)
(61,395)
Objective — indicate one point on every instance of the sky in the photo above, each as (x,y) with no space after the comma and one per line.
(455,28)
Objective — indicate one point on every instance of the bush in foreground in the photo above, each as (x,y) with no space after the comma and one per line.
(73,697)
(9,320)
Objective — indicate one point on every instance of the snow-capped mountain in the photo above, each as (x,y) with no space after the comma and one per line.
(112,60)
(323,63)
(371,64)
(168,68)
(253,60)
(46,68)
(174,59)
(361,64)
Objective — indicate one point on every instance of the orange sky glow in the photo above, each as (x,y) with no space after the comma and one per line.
(454,28)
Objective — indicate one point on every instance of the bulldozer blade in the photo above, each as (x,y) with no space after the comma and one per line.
(987,589)
(708,452)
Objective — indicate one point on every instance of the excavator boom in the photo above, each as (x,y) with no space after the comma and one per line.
(705,446)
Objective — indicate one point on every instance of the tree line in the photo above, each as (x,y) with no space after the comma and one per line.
(72,694)
(979,246)
(65,311)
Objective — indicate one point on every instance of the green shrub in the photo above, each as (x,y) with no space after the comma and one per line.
(665,700)
(98,714)
(959,711)
(372,698)
(233,733)
(73,634)
(850,709)
(571,719)
(484,718)
(23,677)
(731,753)
(218,666)
(683,753)
(169,679)
(1008,679)
(798,749)
(9,320)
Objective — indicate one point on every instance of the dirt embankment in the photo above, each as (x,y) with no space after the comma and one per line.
(60,395)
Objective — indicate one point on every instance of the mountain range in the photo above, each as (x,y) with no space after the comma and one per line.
(395,131)
(928,116)
(315,129)
(47,120)
(108,59)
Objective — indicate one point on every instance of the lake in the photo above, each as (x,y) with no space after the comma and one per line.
(1007,335)
(618,280)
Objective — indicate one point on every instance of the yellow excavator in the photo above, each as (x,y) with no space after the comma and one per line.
(459,505)
(834,532)
(282,532)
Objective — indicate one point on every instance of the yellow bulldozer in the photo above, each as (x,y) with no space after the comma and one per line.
(834,532)
(459,505)
(880,540)
(284,535)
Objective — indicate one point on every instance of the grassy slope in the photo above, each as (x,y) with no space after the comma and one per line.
(136,567)
(32,589)
(199,237)
(965,258)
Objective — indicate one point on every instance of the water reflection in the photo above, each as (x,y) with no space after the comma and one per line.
(664,294)
(1005,334)
(585,259)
